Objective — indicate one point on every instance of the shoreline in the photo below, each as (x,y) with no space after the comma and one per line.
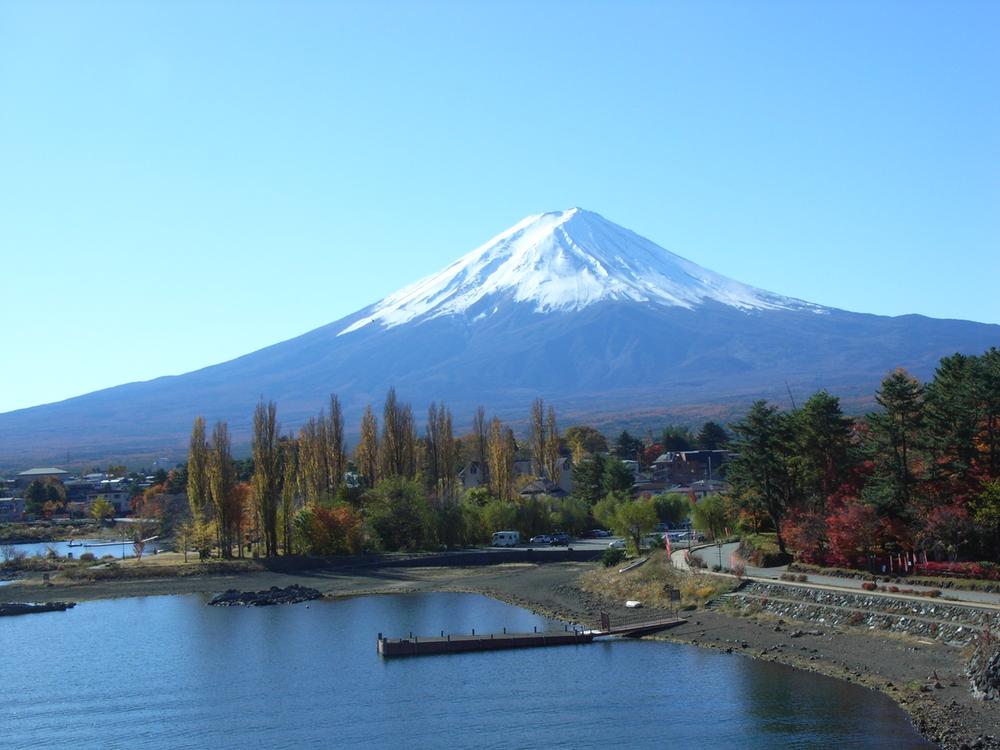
(925,678)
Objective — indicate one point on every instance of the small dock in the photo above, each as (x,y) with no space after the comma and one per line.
(456,644)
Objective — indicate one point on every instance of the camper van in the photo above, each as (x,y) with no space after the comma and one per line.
(506,539)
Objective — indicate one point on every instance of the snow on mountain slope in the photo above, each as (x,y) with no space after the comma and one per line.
(567,260)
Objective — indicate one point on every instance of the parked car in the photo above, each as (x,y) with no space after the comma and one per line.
(541,539)
(600,533)
(617,544)
(560,537)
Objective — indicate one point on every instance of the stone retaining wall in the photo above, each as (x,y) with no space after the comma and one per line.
(932,619)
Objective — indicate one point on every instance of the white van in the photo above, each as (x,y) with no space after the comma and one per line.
(506,539)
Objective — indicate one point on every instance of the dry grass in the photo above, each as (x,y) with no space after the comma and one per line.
(651,583)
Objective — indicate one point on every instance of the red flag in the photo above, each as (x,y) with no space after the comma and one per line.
(666,542)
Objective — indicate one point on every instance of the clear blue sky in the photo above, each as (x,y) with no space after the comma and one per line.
(184,182)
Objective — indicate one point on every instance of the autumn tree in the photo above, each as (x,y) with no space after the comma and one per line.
(537,437)
(551,447)
(293,487)
(481,432)
(197,471)
(501,449)
(268,473)
(336,449)
(397,449)
(221,481)
(583,441)
(440,454)
(312,456)
(366,455)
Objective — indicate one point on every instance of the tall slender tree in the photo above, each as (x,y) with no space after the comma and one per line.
(397,450)
(551,450)
(268,474)
(197,473)
(537,440)
(761,473)
(292,487)
(893,444)
(481,433)
(337,455)
(366,455)
(222,481)
(501,449)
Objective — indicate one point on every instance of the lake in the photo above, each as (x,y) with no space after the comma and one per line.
(156,672)
(62,549)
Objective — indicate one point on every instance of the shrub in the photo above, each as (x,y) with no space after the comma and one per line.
(739,570)
(801,578)
(87,557)
(869,586)
(612,556)
(894,589)
(855,618)
(716,568)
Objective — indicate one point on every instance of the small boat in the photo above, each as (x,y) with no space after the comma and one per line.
(74,544)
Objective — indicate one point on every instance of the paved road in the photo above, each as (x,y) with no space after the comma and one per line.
(727,553)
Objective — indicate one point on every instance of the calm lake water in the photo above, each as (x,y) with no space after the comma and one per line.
(171,672)
(40,549)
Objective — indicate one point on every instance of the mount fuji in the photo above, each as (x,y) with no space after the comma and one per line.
(566,306)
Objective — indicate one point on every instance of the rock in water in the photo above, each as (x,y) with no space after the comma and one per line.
(291,595)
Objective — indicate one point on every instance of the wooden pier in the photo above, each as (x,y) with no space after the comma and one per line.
(455,644)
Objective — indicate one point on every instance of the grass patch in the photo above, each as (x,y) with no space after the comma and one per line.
(762,550)
(651,584)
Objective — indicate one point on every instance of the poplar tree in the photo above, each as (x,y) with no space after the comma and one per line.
(221,481)
(268,475)
(552,446)
(292,487)
(538,437)
(336,452)
(480,432)
(397,450)
(366,455)
(501,449)
(197,479)
(311,453)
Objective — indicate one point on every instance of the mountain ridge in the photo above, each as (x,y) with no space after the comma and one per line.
(613,354)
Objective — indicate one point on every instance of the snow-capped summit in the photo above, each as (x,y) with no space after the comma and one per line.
(566,260)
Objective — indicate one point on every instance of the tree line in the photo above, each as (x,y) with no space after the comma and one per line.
(919,476)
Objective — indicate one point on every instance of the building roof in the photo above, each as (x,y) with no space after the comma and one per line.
(42,472)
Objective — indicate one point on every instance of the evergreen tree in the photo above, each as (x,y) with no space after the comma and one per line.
(627,447)
(893,443)
(761,471)
(823,448)
(588,478)
(712,437)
